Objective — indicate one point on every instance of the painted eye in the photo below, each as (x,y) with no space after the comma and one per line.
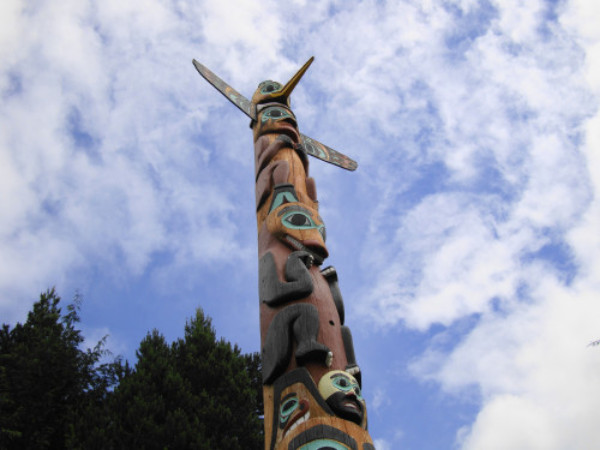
(287,408)
(268,87)
(298,220)
(275,113)
(345,384)
(323,444)
(342,383)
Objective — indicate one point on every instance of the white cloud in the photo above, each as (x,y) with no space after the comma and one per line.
(99,138)
(380,397)
(514,179)
(382,444)
(526,354)
(112,347)
(535,371)
(522,425)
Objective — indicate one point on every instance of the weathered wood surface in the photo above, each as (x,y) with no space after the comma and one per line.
(312,383)
(305,343)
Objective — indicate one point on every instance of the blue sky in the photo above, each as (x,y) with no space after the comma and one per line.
(466,243)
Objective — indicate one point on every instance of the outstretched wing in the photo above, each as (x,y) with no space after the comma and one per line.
(311,146)
(232,95)
(327,154)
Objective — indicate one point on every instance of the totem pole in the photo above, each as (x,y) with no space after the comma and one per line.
(311,382)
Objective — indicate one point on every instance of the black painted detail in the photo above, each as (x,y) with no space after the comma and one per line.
(339,402)
(264,182)
(302,321)
(322,432)
(352,367)
(330,275)
(298,282)
(285,139)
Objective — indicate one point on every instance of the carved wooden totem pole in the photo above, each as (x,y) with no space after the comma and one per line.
(312,384)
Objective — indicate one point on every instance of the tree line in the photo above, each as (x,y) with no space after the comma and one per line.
(195,393)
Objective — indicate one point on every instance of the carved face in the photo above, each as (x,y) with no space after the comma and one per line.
(300,227)
(296,406)
(292,412)
(275,118)
(272,91)
(267,92)
(342,393)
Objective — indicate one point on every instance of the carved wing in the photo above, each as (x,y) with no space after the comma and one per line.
(327,154)
(311,146)
(230,93)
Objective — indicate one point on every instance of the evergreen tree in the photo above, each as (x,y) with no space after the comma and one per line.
(254,370)
(194,394)
(219,378)
(197,393)
(47,381)
(152,404)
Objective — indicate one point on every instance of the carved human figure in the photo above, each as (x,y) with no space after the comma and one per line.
(342,393)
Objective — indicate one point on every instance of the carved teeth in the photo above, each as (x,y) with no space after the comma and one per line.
(298,422)
(351,404)
(314,258)
(295,243)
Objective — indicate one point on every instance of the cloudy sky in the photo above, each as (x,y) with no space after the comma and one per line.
(467,242)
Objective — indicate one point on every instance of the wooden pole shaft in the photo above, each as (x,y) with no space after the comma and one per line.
(312,393)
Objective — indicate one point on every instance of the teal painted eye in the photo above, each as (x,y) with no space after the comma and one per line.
(298,220)
(268,87)
(323,444)
(275,113)
(344,384)
(287,408)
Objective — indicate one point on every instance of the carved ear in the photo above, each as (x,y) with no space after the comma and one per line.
(279,170)
(330,274)
(311,190)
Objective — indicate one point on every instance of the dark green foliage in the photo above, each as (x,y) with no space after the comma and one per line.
(149,403)
(254,369)
(48,383)
(197,393)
